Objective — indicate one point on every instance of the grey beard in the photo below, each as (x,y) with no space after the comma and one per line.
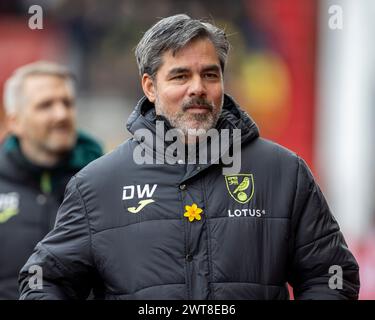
(184,121)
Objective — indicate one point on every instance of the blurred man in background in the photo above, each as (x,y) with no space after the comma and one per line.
(37,160)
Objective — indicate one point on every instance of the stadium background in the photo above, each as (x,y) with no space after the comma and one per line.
(308,86)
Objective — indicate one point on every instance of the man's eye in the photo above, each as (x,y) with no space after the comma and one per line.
(67,102)
(180,77)
(211,76)
(45,105)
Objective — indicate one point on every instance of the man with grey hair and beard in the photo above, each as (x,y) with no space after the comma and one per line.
(185,230)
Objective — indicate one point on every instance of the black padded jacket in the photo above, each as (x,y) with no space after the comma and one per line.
(121,229)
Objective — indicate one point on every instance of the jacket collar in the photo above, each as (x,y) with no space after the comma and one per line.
(143,120)
(232,117)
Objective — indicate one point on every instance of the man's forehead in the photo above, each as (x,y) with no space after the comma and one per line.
(35,82)
(203,49)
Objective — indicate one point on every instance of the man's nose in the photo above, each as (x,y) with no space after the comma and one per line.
(197,87)
(61,111)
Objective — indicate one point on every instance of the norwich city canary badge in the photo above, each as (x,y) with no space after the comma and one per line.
(240,187)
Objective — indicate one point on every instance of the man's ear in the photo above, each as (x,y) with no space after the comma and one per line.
(13,125)
(148,87)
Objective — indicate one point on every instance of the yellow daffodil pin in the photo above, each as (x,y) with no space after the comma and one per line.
(193,212)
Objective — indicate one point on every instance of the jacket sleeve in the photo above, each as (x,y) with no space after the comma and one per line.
(64,255)
(318,252)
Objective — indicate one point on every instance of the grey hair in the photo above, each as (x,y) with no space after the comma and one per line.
(174,33)
(13,86)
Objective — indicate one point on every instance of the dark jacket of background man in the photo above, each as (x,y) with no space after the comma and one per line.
(29,198)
